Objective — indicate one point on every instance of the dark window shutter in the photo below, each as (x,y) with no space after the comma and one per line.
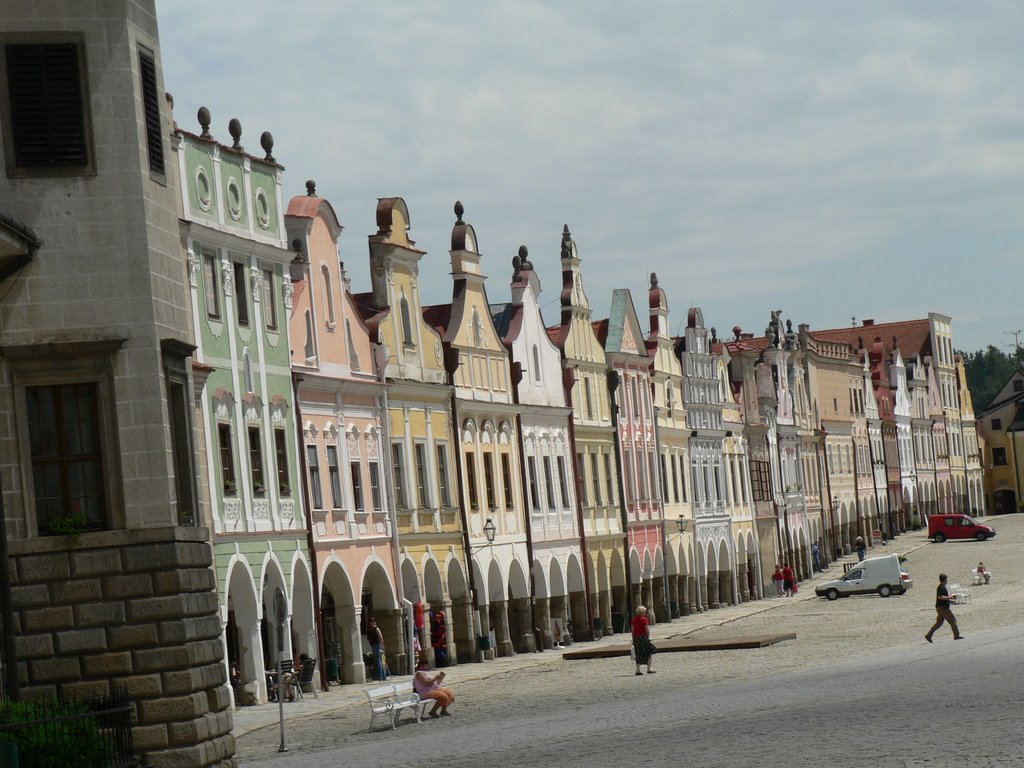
(151,105)
(47,113)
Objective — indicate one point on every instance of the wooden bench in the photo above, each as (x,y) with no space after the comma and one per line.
(389,700)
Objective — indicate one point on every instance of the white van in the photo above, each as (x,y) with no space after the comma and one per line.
(882,575)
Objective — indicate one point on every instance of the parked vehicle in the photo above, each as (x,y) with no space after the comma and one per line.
(882,575)
(942,527)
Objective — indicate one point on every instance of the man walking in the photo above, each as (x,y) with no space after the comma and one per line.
(943,612)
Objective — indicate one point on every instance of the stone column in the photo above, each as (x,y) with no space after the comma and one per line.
(658,598)
(544,621)
(524,642)
(606,612)
(499,619)
(396,653)
(684,595)
(712,586)
(353,668)
(578,606)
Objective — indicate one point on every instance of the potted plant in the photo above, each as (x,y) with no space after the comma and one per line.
(230,488)
(73,525)
(286,489)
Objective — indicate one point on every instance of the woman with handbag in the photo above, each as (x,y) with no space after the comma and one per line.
(643,648)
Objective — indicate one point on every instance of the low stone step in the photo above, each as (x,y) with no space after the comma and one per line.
(680,646)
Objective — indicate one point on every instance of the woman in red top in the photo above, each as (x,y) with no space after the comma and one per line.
(643,648)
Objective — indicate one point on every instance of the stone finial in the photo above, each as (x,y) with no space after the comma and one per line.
(524,257)
(203,115)
(714,335)
(235,129)
(311,188)
(267,142)
(895,343)
(517,264)
(459,210)
(736,331)
(566,242)
(654,280)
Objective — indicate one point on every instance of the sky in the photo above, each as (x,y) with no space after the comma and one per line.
(833,160)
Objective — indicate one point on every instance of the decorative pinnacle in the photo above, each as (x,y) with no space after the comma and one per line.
(654,280)
(566,239)
(203,115)
(459,210)
(267,142)
(235,129)
(311,188)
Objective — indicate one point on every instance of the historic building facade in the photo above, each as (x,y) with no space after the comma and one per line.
(232,229)
(108,565)
(593,429)
(560,575)
(433,559)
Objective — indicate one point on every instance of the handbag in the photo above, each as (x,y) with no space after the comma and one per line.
(632,652)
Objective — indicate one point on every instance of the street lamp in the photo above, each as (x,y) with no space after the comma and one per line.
(490,530)
(682,523)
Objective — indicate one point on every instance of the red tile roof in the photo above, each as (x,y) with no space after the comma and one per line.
(601,330)
(437,316)
(913,336)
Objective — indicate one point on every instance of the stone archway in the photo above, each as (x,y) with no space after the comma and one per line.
(378,600)
(619,598)
(242,637)
(709,577)
(726,575)
(742,580)
(551,608)
(340,620)
(577,595)
(520,616)
(603,624)
(461,616)
(303,638)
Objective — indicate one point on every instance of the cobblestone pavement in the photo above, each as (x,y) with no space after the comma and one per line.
(859,686)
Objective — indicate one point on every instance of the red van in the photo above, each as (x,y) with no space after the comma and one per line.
(942,527)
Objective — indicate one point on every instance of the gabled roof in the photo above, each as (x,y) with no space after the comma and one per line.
(438,316)
(369,313)
(310,206)
(600,330)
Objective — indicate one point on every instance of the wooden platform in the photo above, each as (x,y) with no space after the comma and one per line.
(679,646)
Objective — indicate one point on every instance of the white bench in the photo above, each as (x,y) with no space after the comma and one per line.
(981,578)
(389,700)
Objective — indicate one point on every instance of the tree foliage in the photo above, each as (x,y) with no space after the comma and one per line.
(987,371)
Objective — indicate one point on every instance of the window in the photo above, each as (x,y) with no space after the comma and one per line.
(581,468)
(630,479)
(675,478)
(375,494)
(1018,385)
(534,494)
(760,481)
(549,487)
(269,305)
(313,465)
(536,363)
(999,457)
(308,349)
(442,475)
(328,295)
(997,424)
(48,131)
(241,295)
(151,110)
(422,486)
(67,465)
(211,284)
(608,479)
(635,397)
(227,458)
(281,454)
(506,477)
(406,324)
(474,500)
(664,478)
(489,480)
(176,370)
(334,476)
(589,396)
(398,475)
(597,479)
(357,485)
(256,459)
(682,477)
(563,486)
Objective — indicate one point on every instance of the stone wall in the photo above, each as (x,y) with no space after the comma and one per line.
(135,609)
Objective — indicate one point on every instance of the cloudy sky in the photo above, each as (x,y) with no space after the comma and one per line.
(834,160)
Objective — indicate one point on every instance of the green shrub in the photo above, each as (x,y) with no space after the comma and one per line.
(44,742)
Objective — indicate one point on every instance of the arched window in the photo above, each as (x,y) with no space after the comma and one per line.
(406,324)
(536,364)
(309,349)
(248,373)
(325,276)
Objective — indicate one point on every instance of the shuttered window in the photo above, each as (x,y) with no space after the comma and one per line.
(151,109)
(47,106)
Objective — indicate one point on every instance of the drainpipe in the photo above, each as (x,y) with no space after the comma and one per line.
(613,385)
(304,471)
(451,364)
(664,535)
(538,636)
(568,381)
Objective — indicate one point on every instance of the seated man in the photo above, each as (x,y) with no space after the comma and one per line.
(983,573)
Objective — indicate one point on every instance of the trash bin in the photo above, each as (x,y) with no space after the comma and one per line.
(618,622)
(598,625)
(333,671)
(483,643)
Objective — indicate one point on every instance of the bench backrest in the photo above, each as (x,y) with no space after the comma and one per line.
(402,688)
(380,692)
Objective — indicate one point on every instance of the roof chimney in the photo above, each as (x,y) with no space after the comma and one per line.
(868,322)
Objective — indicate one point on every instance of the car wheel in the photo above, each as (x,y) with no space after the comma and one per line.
(885,590)
(980,536)
(832,594)
(938,538)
